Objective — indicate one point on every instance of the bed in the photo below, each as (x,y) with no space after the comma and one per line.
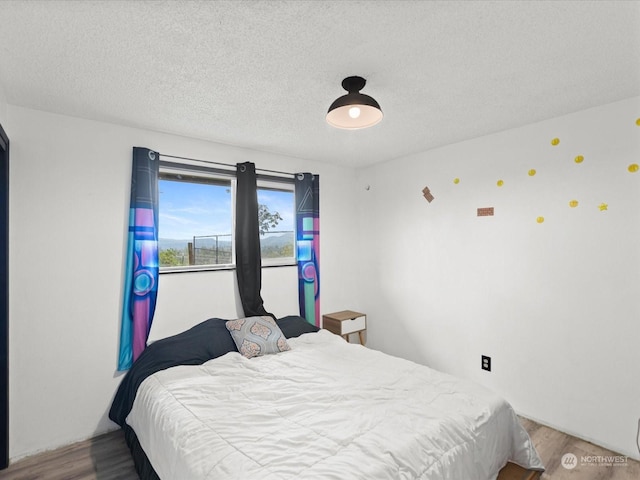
(194,408)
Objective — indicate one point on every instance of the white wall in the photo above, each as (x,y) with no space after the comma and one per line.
(3,106)
(556,305)
(70,183)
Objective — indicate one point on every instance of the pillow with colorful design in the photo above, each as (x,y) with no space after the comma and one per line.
(256,336)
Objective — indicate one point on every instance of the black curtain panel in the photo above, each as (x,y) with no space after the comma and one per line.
(4,299)
(248,260)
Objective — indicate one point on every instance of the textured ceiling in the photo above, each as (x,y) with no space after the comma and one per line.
(261,74)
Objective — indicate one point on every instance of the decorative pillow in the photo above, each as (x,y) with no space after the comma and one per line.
(255,336)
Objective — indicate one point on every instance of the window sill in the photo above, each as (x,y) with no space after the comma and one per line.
(200,268)
(215,268)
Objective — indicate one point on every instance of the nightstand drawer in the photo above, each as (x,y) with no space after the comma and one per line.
(355,325)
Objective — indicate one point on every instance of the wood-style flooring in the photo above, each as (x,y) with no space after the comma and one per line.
(106,457)
(552,445)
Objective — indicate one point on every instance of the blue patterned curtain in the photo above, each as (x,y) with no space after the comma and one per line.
(308,245)
(141,275)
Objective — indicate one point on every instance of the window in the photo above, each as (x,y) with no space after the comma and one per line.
(196,221)
(276,217)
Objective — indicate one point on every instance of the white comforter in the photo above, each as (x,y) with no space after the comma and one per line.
(325,409)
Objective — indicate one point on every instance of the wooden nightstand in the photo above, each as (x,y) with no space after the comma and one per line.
(345,322)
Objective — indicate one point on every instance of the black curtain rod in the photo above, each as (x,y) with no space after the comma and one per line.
(225,164)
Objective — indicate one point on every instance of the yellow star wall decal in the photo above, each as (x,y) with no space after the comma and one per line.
(573,203)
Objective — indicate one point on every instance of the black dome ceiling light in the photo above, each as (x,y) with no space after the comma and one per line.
(354,110)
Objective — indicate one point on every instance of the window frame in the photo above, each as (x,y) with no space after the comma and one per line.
(218,176)
(270,184)
(264,182)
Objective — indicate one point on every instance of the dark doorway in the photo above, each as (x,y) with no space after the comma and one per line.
(4,299)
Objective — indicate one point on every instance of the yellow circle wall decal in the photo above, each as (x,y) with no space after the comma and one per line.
(573,203)
(500,183)
(555,141)
(456,181)
(638,122)
(578,159)
(532,172)
(633,167)
(540,219)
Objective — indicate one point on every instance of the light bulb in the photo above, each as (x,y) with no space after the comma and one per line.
(354,112)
